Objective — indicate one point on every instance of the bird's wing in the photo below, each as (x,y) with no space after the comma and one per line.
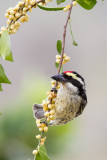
(81,108)
(38,111)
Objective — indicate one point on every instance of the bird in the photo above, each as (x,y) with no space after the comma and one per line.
(70,101)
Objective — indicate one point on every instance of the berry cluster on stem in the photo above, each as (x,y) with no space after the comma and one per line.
(18,14)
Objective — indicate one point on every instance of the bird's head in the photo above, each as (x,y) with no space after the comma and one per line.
(70,76)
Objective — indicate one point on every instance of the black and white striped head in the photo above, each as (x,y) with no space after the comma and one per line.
(69,76)
(72,77)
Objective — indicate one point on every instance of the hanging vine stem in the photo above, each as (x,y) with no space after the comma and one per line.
(63,42)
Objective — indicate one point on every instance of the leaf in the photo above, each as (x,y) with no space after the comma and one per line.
(60,1)
(3,77)
(5,46)
(57,65)
(0,113)
(87,4)
(50,9)
(0,87)
(59,46)
(38,157)
(43,149)
(74,43)
(42,154)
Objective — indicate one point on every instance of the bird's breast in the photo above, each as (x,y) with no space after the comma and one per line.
(66,105)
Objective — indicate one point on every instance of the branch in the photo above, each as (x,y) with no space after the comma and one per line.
(63,42)
(64,36)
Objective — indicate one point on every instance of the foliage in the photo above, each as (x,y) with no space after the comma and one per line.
(60,1)
(42,154)
(3,77)
(59,46)
(87,4)
(5,47)
(59,49)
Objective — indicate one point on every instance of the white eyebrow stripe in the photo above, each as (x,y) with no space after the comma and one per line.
(80,80)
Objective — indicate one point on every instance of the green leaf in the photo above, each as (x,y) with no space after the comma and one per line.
(87,4)
(50,9)
(60,1)
(38,157)
(74,43)
(42,154)
(5,46)
(59,46)
(43,149)
(57,65)
(3,77)
(0,87)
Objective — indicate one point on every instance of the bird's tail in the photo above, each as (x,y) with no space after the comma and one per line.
(38,111)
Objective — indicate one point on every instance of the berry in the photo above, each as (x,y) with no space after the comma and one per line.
(45,129)
(7,15)
(74,3)
(38,121)
(50,106)
(43,139)
(46,114)
(38,136)
(35,152)
(40,129)
(52,112)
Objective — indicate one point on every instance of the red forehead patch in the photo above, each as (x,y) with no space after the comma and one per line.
(68,72)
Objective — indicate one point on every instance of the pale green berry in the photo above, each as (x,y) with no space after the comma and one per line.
(35,152)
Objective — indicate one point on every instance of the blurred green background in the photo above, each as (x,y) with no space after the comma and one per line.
(34,50)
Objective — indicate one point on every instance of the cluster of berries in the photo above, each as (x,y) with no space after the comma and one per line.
(19,12)
(74,3)
(65,59)
(49,108)
(42,140)
(16,13)
(41,125)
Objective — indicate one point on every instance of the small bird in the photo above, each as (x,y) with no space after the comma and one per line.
(70,101)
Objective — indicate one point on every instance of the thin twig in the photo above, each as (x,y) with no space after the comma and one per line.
(63,42)
(64,36)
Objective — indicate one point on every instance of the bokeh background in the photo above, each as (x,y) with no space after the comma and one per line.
(34,50)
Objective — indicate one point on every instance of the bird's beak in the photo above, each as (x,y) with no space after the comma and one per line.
(59,78)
